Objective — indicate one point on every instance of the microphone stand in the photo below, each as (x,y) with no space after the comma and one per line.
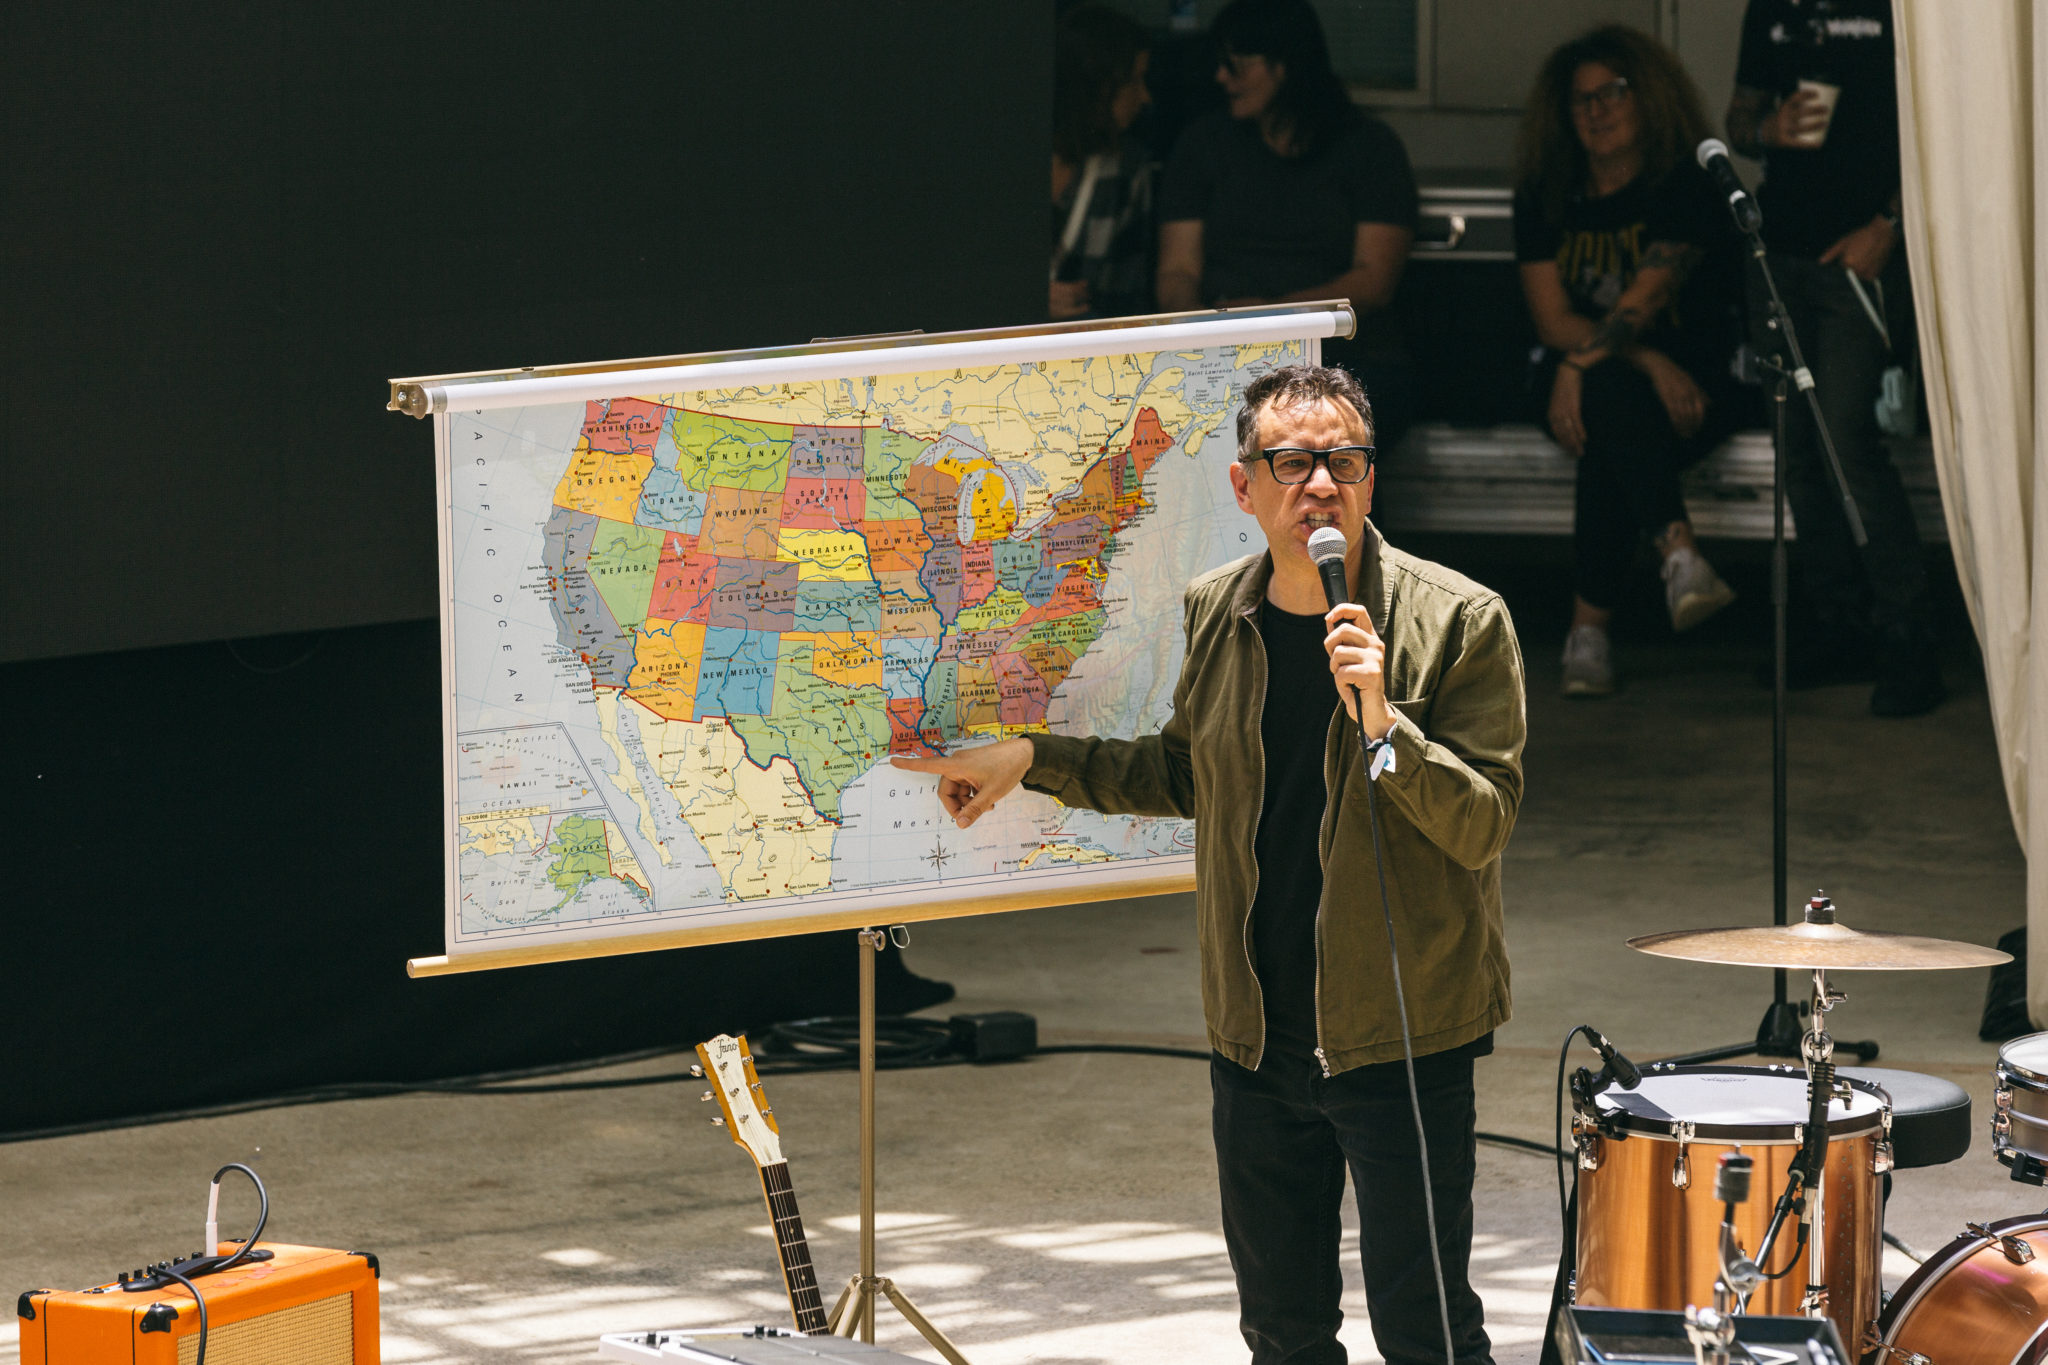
(1780,1033)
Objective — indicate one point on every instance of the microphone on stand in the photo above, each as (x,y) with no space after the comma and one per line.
(1626,1073)
(1713,158)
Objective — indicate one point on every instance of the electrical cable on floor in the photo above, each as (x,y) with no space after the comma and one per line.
(1916,1257)
(822,1050)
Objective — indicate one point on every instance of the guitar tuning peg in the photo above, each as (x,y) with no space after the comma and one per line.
(755,1086)
(718,1123)
(697,1072)
(703,1097)
(767,1112)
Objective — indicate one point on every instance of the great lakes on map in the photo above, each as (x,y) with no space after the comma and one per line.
(689,630)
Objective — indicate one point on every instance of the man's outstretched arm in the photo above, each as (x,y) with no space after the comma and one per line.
(973,780)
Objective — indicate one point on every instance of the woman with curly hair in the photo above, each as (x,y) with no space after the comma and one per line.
(1631,270)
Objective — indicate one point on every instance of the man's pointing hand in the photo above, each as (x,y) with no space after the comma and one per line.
(975,779)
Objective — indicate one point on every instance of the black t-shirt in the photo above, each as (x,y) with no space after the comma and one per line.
(1301,696)
(1272,225)
(1301,699)
(1599,246)
(1812,197)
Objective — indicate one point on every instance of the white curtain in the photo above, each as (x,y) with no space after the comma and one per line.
(1973,110)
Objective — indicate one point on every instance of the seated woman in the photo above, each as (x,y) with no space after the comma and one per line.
(1293,194)
(1630,266)
(1101,175)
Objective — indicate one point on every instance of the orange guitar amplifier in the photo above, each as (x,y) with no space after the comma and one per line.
(303,1306)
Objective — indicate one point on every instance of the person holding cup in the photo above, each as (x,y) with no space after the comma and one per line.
(1816,101)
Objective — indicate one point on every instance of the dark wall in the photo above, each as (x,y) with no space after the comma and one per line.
(224,228)
(227,225)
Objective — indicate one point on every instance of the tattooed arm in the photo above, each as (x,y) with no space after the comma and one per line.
(1662,270)
(1587,341)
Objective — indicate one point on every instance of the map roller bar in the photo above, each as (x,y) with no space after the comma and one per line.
(956,350)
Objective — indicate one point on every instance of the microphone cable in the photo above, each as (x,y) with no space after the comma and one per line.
(1326,547)
(1367,748)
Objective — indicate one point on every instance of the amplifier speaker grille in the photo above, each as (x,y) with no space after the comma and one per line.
(318,1333)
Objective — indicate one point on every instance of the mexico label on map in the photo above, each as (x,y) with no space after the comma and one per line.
(686,632)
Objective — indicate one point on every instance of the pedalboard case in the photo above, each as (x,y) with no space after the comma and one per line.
(300,1306)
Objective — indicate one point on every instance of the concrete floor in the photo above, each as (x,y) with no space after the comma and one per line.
(1063,1209)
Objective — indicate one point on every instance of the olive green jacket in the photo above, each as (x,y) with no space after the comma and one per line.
(1446,805)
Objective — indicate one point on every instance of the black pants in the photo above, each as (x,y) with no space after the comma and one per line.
(1284,1138)
(1885,584)
(1627,484)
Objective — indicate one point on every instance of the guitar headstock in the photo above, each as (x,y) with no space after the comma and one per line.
(729,1066)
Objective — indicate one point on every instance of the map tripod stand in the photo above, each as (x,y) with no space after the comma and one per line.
(855,1311)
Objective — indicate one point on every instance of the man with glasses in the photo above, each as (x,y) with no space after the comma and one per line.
(1307,1076)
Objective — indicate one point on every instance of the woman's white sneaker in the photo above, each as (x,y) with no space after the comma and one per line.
(1588,665)
(1692,590)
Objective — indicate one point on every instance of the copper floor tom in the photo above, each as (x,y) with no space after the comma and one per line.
(1980,1300)
(1649,1225)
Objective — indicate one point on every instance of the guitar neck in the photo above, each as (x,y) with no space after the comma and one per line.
(793,1251)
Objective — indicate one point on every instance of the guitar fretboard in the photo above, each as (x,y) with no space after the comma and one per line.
(794,1252)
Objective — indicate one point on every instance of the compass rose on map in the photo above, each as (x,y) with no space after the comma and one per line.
(939,856)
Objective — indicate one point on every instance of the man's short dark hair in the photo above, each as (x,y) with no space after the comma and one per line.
(1293,384)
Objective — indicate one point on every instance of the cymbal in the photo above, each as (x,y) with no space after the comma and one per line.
(1835,947)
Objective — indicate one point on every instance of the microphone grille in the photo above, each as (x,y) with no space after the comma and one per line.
(1326,544)
(1710,149)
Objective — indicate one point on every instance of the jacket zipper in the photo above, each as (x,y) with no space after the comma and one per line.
(1322,894)
(1258,814)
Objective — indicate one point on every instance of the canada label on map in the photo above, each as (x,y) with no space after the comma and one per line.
(686,632)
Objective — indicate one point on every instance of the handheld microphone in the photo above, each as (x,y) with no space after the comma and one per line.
(1713,158)
(1326,547)
(1626,1072)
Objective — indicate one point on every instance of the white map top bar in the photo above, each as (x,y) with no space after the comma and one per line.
(901,355)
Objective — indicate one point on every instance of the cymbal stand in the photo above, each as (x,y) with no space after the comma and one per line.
(855,1311)
(1806,1186)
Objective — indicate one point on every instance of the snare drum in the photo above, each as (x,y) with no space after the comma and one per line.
(1650,1227)
(1980,1300)
(2019,1107)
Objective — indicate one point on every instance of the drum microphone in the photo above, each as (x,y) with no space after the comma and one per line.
(1625,1071)
(1713,158)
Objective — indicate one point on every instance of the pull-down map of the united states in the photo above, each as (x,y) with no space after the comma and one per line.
(689,629)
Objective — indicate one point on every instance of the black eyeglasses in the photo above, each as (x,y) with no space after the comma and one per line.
(1294,464)
(1602,96)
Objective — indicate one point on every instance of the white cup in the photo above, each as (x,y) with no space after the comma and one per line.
(1825,95)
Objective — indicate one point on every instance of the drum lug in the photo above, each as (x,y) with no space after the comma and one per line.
(1881,1158)
(1587,1143)
(2016,1250)
(1880,1352)
(1681,1169)
(2001,1119)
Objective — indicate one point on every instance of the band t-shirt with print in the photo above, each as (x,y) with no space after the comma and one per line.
(1600,242)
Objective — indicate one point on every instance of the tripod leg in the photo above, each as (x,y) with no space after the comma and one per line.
(844,1319)
(922,1324)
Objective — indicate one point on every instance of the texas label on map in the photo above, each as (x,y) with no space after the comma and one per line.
(687,631)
